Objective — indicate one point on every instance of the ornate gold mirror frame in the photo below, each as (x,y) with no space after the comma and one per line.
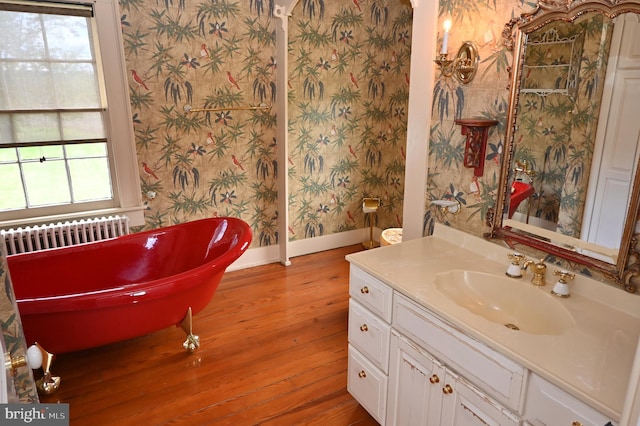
(627,264)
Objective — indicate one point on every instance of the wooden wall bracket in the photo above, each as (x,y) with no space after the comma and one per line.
(476,130)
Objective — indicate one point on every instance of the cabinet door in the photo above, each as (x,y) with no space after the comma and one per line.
(465,405)
(414,385)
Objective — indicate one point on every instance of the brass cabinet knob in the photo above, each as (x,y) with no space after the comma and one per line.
(447,389)
(576,423)
(364,290)
(364,327)
(362,374)
(434,379)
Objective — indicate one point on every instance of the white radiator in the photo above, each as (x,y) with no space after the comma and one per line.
(62,234)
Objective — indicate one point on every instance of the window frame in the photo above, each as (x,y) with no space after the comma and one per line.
(121,148)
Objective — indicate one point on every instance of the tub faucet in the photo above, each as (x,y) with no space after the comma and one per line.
(539,270)
(514,270)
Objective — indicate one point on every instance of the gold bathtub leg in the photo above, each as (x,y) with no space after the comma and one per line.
(193,342)
(48,383)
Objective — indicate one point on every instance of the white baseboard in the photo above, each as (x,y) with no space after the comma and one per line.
(265,255)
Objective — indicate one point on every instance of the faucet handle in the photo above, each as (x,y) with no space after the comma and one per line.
(514,270)
(564,276)
(561,288)
(516,258)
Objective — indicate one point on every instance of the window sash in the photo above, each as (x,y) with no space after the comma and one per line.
(49,8)
(14,143)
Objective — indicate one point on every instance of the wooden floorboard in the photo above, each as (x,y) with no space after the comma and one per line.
(273,352)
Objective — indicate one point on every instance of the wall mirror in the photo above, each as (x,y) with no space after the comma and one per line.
(570,182)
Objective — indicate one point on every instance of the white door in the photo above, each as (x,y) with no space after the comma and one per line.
(618,139)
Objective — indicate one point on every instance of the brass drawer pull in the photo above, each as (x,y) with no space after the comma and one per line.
(447,389)
(362,374)
(576,423)
(364,327)
(434,379)
(364,290)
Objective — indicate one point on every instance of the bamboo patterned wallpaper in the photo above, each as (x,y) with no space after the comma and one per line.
(349,73)
(203,54)
(348,96)
(486,97)
(345,141)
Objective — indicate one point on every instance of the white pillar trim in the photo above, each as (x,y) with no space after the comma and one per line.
(423,49)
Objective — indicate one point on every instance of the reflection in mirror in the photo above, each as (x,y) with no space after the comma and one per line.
(560,102)
(567,184)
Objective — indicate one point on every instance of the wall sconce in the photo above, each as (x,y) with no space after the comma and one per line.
(465,64)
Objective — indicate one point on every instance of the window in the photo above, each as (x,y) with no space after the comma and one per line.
(65,127)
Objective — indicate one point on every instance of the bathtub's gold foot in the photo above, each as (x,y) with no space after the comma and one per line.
(193,342)
(48,383)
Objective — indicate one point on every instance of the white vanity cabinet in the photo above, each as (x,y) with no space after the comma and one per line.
(432,371)
(409,367)
(398,381)
(422,391)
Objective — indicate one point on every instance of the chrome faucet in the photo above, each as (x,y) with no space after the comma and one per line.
(539,271)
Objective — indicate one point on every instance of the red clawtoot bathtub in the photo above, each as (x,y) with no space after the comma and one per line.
(92,294)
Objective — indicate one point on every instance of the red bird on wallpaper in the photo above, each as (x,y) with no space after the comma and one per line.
(353,80)
(204,52)
(350,216)
(357,3)
(237,162)
(352,152)
(148,170)
(232,80)
(138,80)
(210,140)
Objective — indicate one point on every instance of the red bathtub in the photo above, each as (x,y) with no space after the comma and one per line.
(97,293)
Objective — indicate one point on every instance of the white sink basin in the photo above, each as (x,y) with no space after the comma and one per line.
(514,303)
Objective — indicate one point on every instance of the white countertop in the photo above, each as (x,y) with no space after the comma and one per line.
(591,360)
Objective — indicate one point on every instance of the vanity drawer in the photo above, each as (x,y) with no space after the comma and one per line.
(491,371)
(548,405)
(371,293)
(367,384)
(369,334)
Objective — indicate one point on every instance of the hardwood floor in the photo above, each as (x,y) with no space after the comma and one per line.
(273,352)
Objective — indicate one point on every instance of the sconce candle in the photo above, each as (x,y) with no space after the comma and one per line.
(445,37)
